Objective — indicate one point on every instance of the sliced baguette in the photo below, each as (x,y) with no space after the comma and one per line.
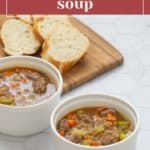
(46,24)
(37,17)
(18,38)
(25,18)
(65,47)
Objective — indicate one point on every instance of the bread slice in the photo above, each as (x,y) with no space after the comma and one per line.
(18,38)
(65,47)
(25,18)
(44,26)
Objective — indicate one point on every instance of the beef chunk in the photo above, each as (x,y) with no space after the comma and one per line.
(76,139)
(40,85)
(110,137)
(33,75)
(85,118)
(63,125)
(40,82)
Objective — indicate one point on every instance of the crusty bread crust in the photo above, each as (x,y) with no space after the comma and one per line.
(25,18)
(39,20)
(36,27)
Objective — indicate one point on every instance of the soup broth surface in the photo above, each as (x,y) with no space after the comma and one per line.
(24,86)
(95,126)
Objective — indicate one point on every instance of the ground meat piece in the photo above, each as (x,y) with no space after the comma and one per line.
(108,124)
(110,137)
(105,112)
(40,82)
(63,125)
(40,85)
(85,118)
(76,139)
(33,75)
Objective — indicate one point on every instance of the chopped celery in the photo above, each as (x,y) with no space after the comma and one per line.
(124,124)
(86,142)
(80,112)
(79,132)
(122,136)
(98,129)
(5,100)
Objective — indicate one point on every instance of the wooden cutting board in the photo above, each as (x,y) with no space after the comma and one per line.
(101,57)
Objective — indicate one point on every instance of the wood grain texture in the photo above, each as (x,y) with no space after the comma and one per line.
(101,57)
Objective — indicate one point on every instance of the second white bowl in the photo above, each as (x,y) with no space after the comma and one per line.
(95,100)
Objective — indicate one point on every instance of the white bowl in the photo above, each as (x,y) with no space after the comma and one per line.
(27,120)
(94,100)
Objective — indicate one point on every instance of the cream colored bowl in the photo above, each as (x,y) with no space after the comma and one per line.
(27,120)
(94,100)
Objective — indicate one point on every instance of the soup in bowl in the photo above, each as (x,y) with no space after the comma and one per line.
(95,121)
(29,90)
(94,126)
(24,86)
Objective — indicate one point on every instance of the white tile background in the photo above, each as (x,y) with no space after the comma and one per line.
(131,35)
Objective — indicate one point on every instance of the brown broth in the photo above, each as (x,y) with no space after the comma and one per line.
(24,86)
(94,126)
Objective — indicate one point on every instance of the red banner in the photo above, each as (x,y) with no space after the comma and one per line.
(147,7)
(3,6)
(75,6)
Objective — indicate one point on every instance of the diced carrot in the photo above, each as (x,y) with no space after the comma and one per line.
(23,80)
(14,84)
(95,143)
(29,71)
(8,73)
(71,123)
(62,133)
(87,137)
(18,70)
(111,117)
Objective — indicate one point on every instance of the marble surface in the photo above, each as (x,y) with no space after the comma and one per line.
(130,34)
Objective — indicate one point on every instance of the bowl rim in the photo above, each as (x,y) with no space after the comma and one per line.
(119,99)
(51,98)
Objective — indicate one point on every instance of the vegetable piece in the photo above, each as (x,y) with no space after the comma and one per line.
(122,136)
(95,143)
(17,78)
(18,70)
(23,80)
(71,116)
(14,84)
(71,123)
(86,142)
(98,129)
(62,132)
(80,112)
(3,89)
(5,100)
(123,124)
(111,117)
(86,137)
(8,73)
(79,132)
